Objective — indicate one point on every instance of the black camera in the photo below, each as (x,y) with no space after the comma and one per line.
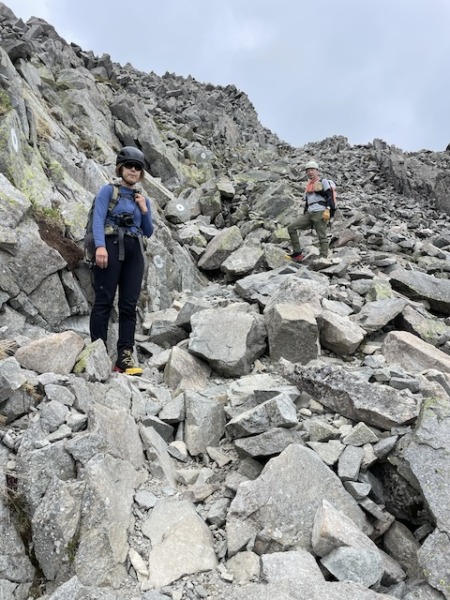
(125,220)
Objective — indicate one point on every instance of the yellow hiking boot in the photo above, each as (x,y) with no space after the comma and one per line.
(125,363)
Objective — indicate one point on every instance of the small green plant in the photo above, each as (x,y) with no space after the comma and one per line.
(44,214)
(73,545)
(34,391)
(18,510)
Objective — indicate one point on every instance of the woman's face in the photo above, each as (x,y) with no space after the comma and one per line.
(131,172)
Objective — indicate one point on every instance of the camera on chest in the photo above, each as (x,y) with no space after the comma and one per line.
(125,220)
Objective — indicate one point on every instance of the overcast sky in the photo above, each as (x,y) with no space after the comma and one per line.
(364,69)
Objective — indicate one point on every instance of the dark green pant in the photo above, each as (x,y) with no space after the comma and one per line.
(309,219)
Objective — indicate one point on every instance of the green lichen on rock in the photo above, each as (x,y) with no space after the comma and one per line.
(83,357)
(379,290)
(431,330)
(56,172)
(196,175)
(5,103)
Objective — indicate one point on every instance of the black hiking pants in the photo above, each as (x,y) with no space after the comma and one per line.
(125,275)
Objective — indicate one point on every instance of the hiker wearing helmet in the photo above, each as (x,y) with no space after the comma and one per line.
(318,204)
(119,255)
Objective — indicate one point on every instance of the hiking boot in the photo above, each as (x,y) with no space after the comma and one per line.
(296,256)
(125,363)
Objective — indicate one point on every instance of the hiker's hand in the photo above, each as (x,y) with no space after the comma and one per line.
(101,257)
(326,215)
(140,201)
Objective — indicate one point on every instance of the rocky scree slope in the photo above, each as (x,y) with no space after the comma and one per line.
(290,435)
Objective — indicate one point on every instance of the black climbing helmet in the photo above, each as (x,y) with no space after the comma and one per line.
(130,153)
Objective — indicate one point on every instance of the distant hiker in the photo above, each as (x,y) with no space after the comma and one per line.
(319,205)
(119,255)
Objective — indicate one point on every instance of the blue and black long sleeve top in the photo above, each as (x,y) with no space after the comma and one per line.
(142,224)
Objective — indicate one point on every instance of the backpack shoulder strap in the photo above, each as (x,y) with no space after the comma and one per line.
(115,195)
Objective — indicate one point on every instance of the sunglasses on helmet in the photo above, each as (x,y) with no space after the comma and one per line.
(132,165)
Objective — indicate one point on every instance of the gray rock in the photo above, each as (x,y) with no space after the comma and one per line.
(73,588)
(65,113)
(173,411)
(422,591)
(185,372)
(205,422)
(360,435)
(229,339)
(60,393)
(220,248)
(357,490)
(15,565)
(260,287)
(11,377)
(165,430)
(56,353)
(56,525)
(40,466)
(181,542)
(111,431)
(145,499)
(244,567)
(349,463)
(106,508)
(269,443)
(217,512)
(297,565)
(329,451)
(292,332)
(401,544)
(294,590)
(426,452)
(288,481)
(420,323)
(52,415)
(176,211)
(412,353)
(420,286)
(246,259)
(374,404)
(321,431)
(332,530)
(300,291)
(384,446)
(351,564)
(161,465)
(339,334)
(377,314)
(433,561)
(279,411)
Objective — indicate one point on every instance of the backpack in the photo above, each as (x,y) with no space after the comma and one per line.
(89,244)
(334,194)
